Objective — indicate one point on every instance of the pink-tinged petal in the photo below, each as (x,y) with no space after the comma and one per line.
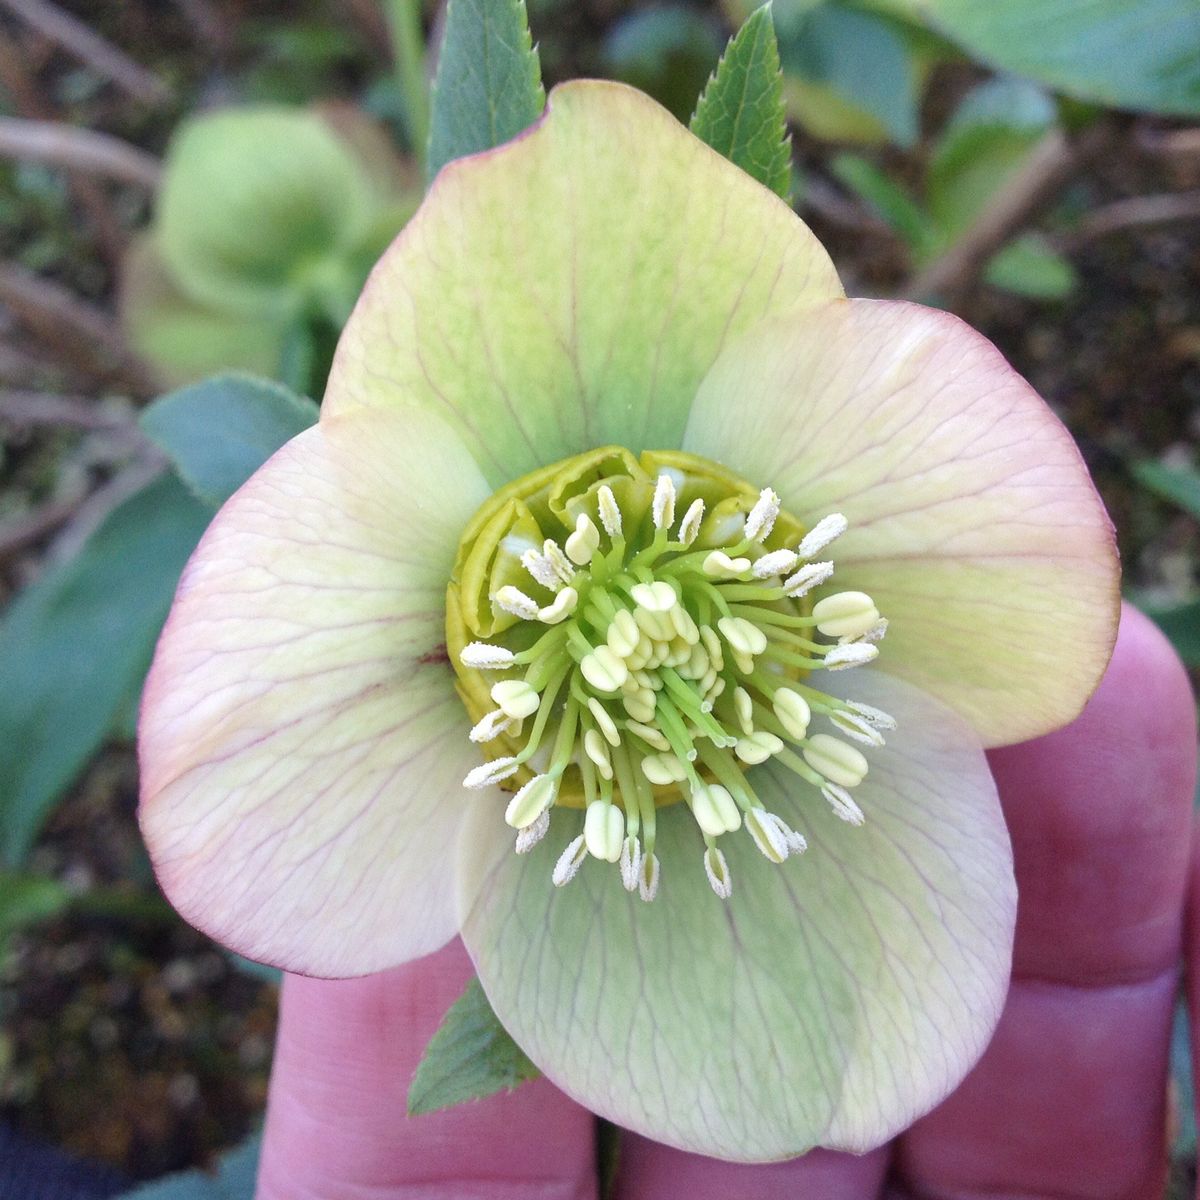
(301,743)
(571,288)
(830,1001)
(973,522)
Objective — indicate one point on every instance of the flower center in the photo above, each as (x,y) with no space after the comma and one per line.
(635,632)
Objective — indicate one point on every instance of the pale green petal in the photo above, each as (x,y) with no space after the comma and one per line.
(301,743)
(973,522)
(830,1001)
(571,288)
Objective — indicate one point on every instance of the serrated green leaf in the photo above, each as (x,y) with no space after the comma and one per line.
(25,899)
(741,113)
(1179,485)
(891,203)
(233,1179)
(470,1056)
(488,85)
(75,645)
(1029,266)
(219,432)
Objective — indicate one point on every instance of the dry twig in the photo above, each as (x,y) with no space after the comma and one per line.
(1050,164)
(27,408)
(84,334)
(61,145)
(1137,211)
(89,47)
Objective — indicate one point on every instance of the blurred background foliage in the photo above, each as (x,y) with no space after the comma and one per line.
(190,189)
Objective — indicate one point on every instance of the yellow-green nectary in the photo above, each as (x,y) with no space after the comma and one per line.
(607,285)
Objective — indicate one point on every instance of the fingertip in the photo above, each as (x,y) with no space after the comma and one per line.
(650,1171)
(1100,818)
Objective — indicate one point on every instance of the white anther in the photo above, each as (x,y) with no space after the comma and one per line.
(569,862)
(689,527)
(529,837)
(742,636)
(856,727)
(604,830)
(685,626)
(717,870)
(604,722)
(808,577)
(662,510)
(876,716)
(778,562)
(793,712)
(834,759)
(515,698)
(712,643)
(877,632)
(758,747)
(610,512)
(541,568)
(552,551)
(491,726)
(564,605)
(762,516)
(845,614)
(655,625)
(597,751)
(631,863)
(639,707)
(604,670)
(533,799)
(656,597)
(826,530)
(743,662)
(769,834)
(850,654)
(715,810)
(719,565)
(663,769)
(743,706)
(514,601)
(797,842)
(843,804)
(648,878)
(584,542)
(623,634)
(491,772)
(648,734)
(483,656)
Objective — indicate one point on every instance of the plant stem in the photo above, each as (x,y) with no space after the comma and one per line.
(408,53)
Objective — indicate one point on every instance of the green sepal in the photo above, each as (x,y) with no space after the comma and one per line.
(488,85)
(741,113)
(469,1057)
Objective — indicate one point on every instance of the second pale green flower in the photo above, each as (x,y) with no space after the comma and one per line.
(609,478)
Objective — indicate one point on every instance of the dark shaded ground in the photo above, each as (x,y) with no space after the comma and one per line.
(127,1037)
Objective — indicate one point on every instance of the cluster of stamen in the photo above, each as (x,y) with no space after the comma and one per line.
(662,672)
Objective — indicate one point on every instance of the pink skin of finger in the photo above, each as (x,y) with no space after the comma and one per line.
(1068,1100)
(336,1129)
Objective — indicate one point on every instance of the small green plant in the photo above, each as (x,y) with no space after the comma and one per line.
(267,222)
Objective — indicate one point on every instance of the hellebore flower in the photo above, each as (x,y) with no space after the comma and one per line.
(598,428)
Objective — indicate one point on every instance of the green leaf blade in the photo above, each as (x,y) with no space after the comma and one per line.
(75,645)
(741,113)
(488,85)
(219,432)
(1178,485)
(470,1056)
